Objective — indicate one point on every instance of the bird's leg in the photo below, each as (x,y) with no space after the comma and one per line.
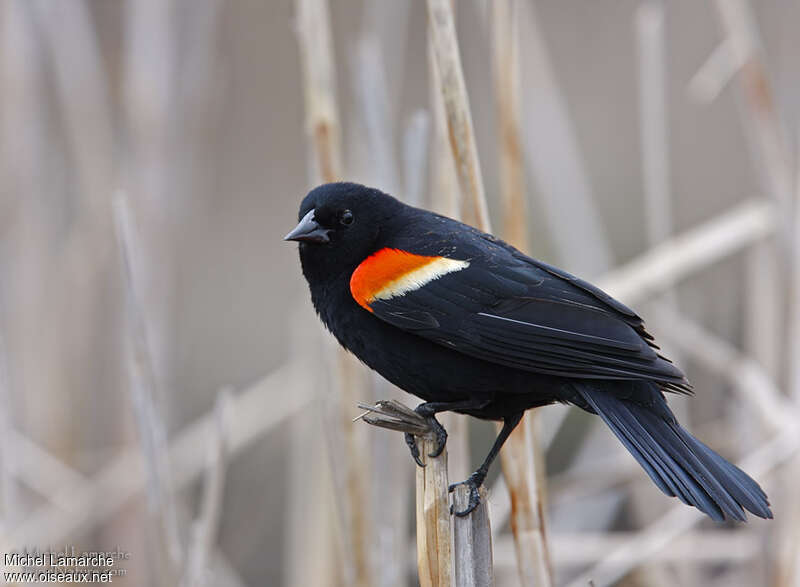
(428,410)
(476,479)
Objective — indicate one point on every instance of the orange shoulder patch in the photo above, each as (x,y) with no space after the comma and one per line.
(390,273)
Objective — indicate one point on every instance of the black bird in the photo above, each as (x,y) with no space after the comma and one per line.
(469,324)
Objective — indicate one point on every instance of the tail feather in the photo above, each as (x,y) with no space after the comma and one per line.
(679,464)
(743,488)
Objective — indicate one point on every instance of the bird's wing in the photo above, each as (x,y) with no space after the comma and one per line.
(493,303)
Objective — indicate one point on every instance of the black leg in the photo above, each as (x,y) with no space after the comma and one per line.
(477,478)
(429,410)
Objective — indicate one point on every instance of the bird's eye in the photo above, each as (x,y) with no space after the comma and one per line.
(346,218)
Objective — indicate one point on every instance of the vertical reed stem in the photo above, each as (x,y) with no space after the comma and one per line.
(434,533)
(323,128)
(521,458)
(459,119)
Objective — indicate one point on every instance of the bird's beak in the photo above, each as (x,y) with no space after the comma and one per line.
(308,231)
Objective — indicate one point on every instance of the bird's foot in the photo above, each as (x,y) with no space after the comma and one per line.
(438,431)
(439,436)
(474,481)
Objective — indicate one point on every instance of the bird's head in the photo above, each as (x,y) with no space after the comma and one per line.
(340,225)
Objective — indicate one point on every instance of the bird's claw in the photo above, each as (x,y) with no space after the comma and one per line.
(474,497)
(411,441)
(440,436)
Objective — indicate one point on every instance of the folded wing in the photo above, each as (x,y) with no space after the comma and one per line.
(509,309)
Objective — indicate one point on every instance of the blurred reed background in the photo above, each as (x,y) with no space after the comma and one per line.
(164,385)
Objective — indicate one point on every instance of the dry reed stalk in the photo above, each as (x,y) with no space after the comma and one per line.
(448,77)
(697,547)
(769,147)
(389,22)
(787,573)
(319,79)
(78,266)
(351,476)
(197,569)
(523,469)
(323,128)
(474,565)
(445,199)
(649,30)
(149,176)
(505,61)
(770,144)
(456,107)
(690,251)
(763,317)
(143,389)
(443,185)
(27,363)
(148,68)
(522,459)
(434,533)
(310,556)
(42,471)
(715,73)
(372,98)
(83,92)
(794,307)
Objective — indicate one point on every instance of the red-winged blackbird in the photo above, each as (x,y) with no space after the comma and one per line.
(469,324)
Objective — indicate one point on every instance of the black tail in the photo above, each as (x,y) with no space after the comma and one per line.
(676,461)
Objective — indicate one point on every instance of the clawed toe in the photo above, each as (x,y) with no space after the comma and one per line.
(474,496)
(411,441)
(440,436)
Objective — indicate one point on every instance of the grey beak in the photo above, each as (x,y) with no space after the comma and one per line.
(308,231)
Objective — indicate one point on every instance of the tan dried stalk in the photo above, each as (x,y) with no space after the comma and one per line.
(445,199)
(472,541)
(434,533)
(144,389)
(319,78)
(766,330)
(449,77)
(459,120)
(323,128)
(696,248)
(521,457)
